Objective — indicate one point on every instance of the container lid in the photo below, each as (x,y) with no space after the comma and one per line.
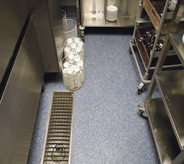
(73,45)
(70,70)
(80,63)
(80,44)
(71,56)
(66,64)
(67,49)
(77,58)
(70,40)
(76,40)
(112,8)
(78,49)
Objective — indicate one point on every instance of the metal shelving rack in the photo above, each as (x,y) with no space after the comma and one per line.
(91,13)
(166,114)
(153,54)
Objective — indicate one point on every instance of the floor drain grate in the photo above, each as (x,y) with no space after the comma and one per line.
(58,142)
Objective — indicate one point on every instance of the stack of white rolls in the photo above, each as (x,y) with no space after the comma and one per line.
(73,63)
(74,45)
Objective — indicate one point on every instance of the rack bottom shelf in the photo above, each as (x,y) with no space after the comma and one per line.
(165,140)
(98,20)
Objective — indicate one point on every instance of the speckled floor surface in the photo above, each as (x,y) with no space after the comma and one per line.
(106,125)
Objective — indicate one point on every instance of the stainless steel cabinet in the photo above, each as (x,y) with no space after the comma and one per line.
(23,29)
(12,18)
(20,101)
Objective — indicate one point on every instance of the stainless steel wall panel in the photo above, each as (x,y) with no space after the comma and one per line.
(93,13)
(125,7)
(128,7)
(12,18)
(88,5)
(20,101)
(49,32)
(57,25)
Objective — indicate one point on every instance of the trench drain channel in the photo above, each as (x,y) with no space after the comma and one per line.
(59,132)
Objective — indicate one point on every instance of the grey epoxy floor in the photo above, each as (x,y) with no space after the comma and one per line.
(106,125)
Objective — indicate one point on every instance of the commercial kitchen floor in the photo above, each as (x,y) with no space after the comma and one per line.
(106,125)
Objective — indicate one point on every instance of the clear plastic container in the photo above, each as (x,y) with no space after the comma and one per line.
(63,18)
(66,51)
(73,74)
(70,29)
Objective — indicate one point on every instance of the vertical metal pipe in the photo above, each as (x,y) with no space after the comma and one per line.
(157,36)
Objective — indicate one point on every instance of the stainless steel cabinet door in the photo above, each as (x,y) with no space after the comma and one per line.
(20,101)
(12,18)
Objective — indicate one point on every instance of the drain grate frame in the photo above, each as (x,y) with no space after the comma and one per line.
(58,141)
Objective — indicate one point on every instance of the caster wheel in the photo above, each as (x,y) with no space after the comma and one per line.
(141,88)
(139,91)
(82,34)
(142,114)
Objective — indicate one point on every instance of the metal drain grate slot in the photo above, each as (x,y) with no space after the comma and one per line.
(58,142)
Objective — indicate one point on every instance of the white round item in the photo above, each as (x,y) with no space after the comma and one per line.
(111,13)
(80,44)
(66,64)
(71,57)
(78,49)
(112,8)
(80,63)
(66,50)
(76,40)
(69,41)
(73,45)
(80,52)
(76,58)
